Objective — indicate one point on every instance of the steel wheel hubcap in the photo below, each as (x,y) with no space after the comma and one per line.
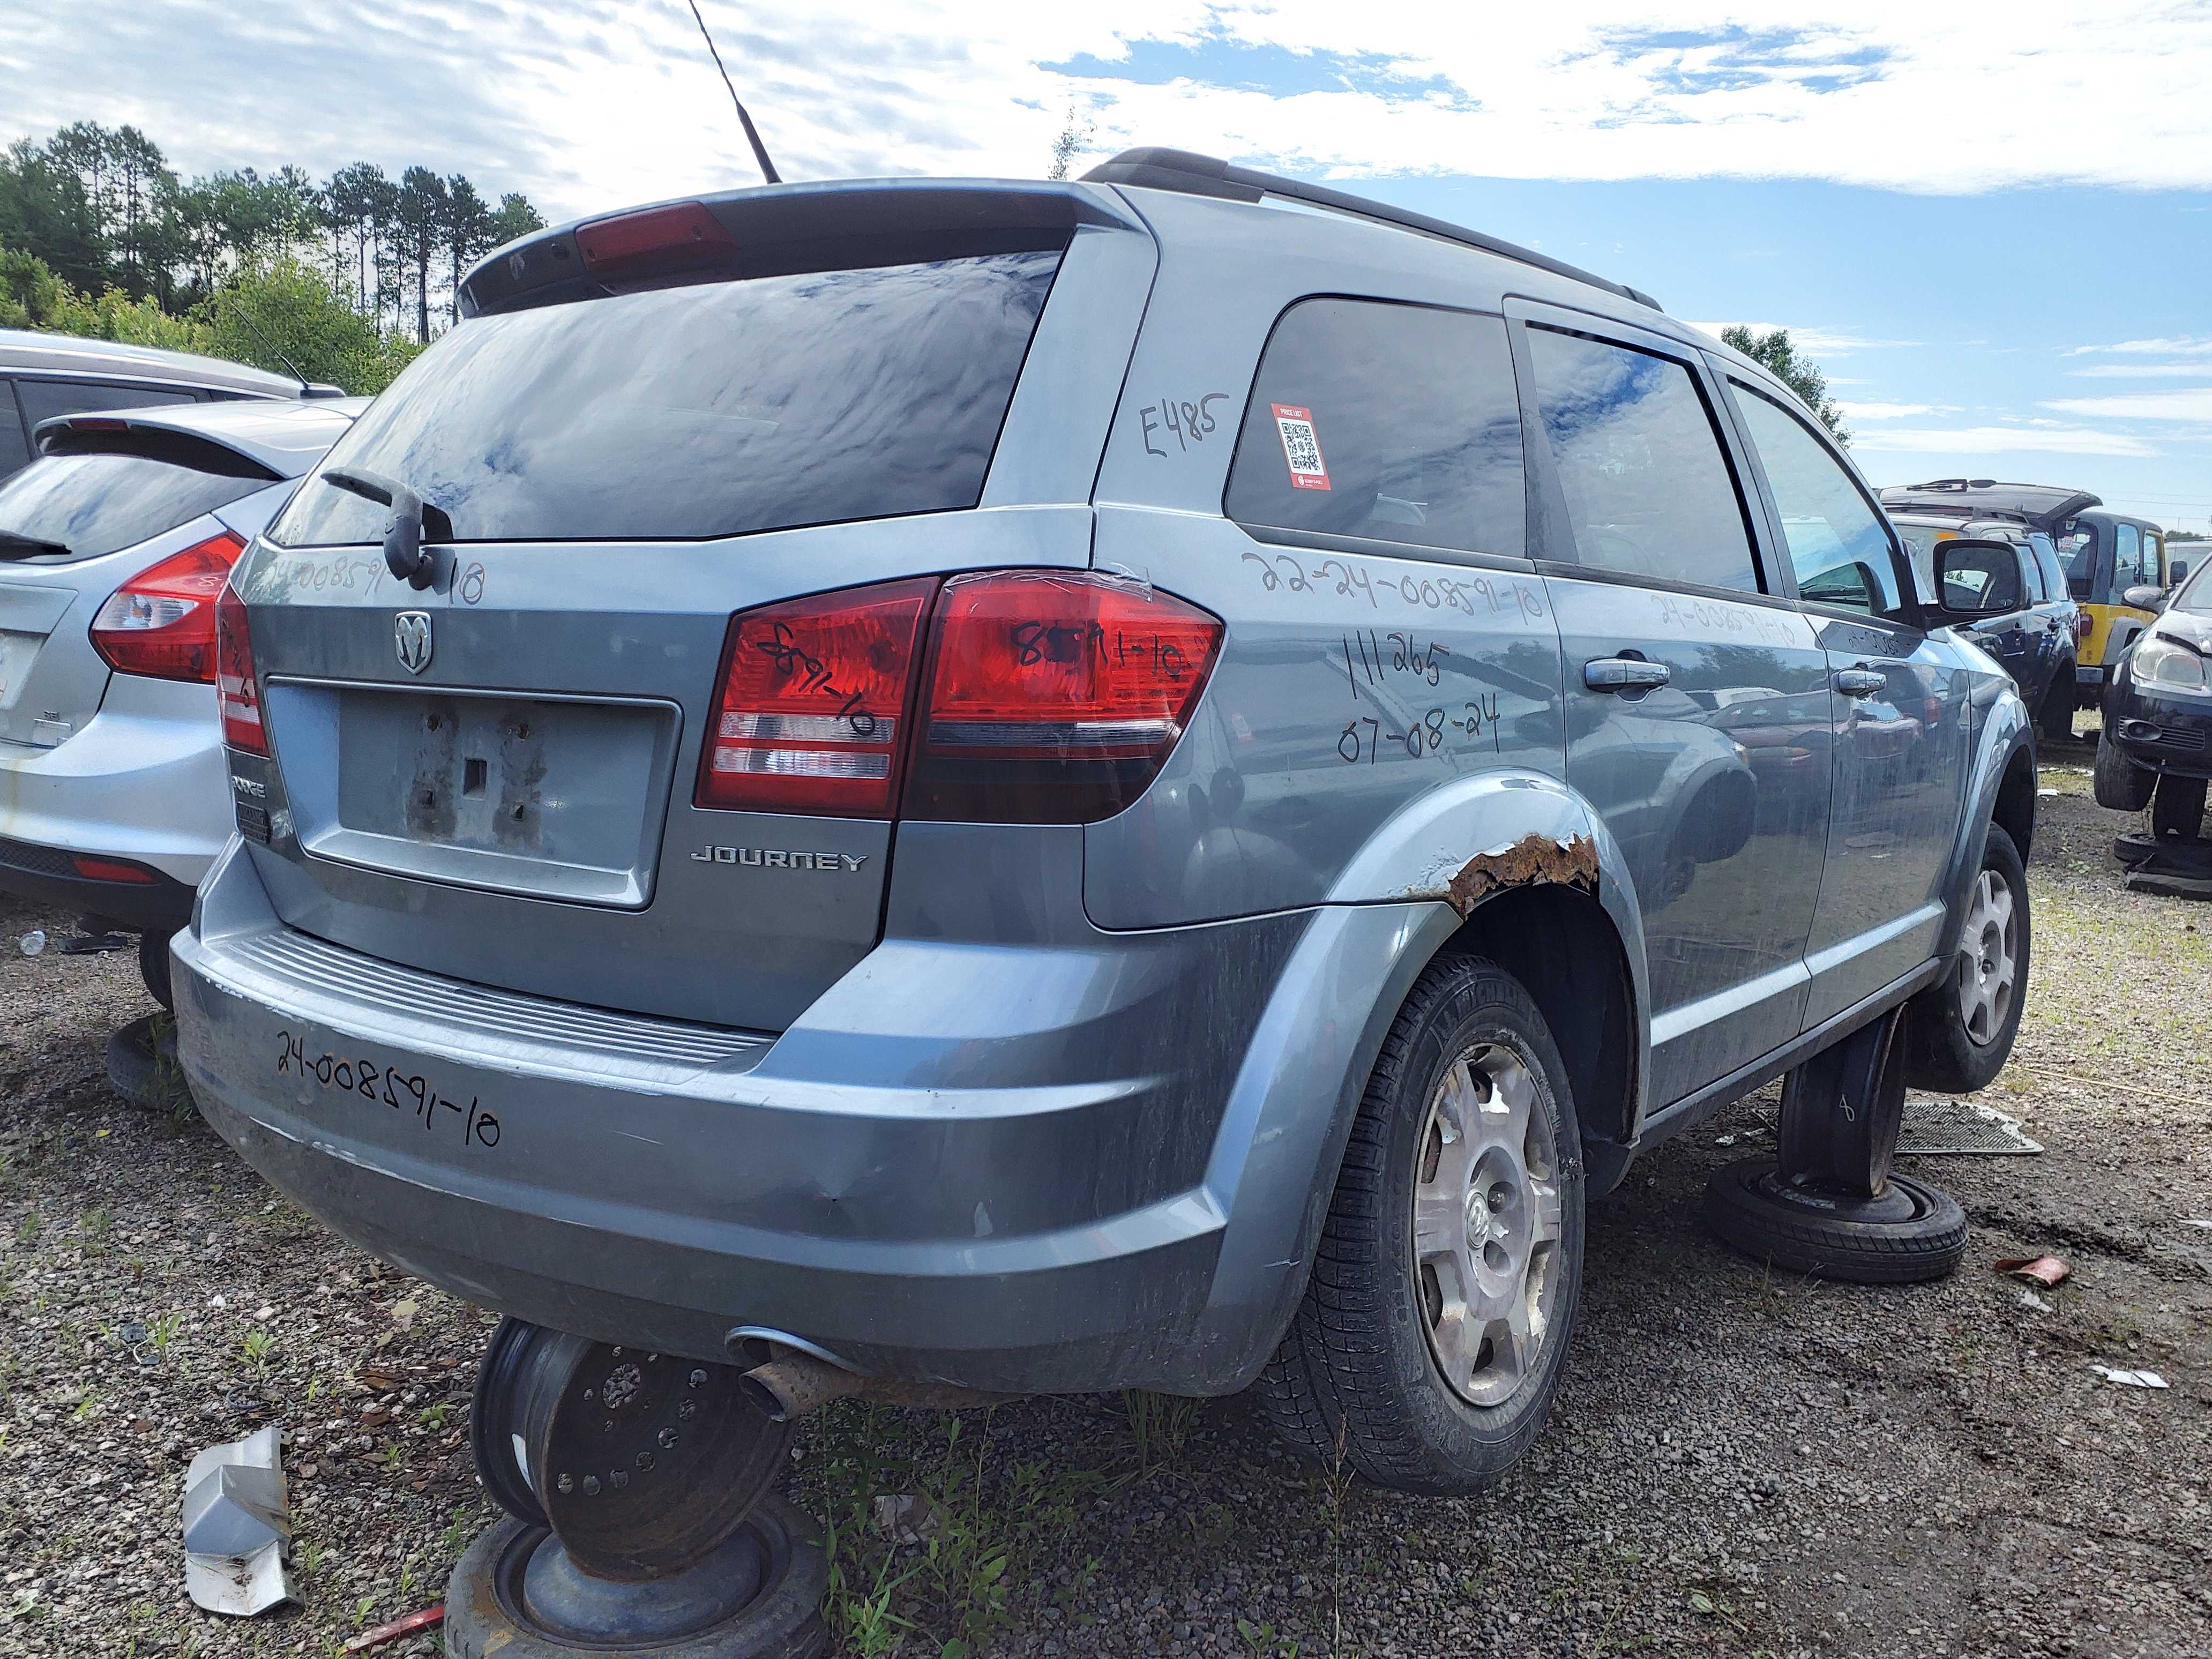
(1486,1224)
(1989,958)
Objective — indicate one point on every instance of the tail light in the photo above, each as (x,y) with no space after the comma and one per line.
(812,713)
(237,689)
(654,242)
(1045,697)
(161,622)
(93,869)
(2083,623)
(1054,698)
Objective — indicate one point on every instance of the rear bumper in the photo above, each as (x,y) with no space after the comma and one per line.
(49,875)
(143,781)
(1070,1166)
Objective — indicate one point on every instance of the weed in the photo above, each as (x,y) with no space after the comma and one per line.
(28,1229)
(362,1608)
(256,1351)
(393,1454)
(1264,1643)
(163,1331)
(85,1408)
(309,1556)
(96,1223)
(433,1417)
(1161,1423)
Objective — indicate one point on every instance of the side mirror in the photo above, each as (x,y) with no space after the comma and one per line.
(2177,572)
(2145,596)
(1976,579)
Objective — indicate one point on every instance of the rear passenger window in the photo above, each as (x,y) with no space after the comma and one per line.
(1839,545)
(43,399)
(14,447)
(1395,422)
(1648,490)
(2031,578)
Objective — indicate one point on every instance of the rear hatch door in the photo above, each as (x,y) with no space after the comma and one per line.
(76,524)
(493,777)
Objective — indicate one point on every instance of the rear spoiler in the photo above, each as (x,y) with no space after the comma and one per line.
(783,230)
(117,434)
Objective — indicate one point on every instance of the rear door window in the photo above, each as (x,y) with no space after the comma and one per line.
(15,444)
(93,504)
(2127,558)
(711,409)
(2031,578)
(43,399)
(1649,491)
(1391,422)
(1839,545)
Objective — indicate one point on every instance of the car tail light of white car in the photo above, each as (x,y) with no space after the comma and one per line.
(162,623)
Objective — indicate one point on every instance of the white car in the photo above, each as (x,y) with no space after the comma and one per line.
(114,544)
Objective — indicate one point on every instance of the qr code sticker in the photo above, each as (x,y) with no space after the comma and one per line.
(1301,447)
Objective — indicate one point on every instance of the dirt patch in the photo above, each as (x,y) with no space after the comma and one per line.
(1739,1462)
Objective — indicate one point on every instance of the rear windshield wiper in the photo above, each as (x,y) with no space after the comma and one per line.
(14,545)
(404,555)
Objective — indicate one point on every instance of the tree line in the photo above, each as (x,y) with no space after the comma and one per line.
(99,233)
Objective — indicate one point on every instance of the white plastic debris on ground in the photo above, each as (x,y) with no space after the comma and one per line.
(2130,1379)
(237,1527)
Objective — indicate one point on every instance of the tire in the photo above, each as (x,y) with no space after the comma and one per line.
(1359,1375)
(1959,1031)
(2121,786)
(1912,1233)
(153,966)
(2176,808)
(2055,717)
(142,1067)
(784,1621)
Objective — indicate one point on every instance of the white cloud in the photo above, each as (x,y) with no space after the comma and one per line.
(2140,371)
(2185,346)
(1815,341)
(1885,412)
(591,103)
(2000,441)
(2190,403)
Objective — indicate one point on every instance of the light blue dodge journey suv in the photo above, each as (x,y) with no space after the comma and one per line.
(1048,786)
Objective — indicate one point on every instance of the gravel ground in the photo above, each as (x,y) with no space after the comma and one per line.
(1739,1462)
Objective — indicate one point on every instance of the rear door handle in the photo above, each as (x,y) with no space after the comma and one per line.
(1860,681)
(1624,674)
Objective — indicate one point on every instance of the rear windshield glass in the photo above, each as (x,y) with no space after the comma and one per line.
(1395,422)
(96,504)
(708,409)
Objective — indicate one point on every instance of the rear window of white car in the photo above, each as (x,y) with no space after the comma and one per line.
(706,409)
(88,505)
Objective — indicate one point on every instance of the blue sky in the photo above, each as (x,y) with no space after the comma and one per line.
(1992,229)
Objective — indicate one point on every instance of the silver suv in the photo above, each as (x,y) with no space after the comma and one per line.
(1049,786)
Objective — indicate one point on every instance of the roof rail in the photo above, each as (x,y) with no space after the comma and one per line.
(1151,167)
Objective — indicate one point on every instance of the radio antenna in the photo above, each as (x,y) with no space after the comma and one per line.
(752,137)
(267,345)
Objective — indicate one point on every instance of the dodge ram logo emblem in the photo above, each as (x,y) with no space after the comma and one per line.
(410,635)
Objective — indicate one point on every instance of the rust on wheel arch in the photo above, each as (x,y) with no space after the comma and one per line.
(1531,861)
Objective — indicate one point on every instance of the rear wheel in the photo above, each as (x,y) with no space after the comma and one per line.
(1959,1030)
(153,965)
(1429,1342)
(2056,717)
(2176,808)
(2121,786)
